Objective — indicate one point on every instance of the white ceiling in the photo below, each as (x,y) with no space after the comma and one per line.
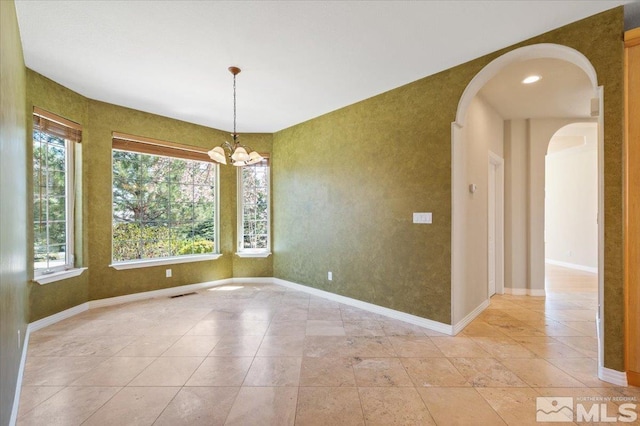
(564,90)
(299,59)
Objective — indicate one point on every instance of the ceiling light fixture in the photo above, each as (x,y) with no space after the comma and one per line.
(531,79)
(239,155)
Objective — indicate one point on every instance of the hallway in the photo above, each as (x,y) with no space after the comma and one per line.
(263,354)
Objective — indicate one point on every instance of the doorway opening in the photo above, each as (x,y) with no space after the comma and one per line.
(571,206)
(567,92)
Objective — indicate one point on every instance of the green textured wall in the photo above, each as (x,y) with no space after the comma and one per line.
(99,120)
(346,184)
(13,207)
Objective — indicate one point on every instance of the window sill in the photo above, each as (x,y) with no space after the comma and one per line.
(58,276)
(253,254)
(134,264)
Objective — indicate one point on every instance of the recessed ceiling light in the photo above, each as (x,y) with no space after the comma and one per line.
(531,79)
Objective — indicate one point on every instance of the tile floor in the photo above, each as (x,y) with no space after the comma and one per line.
(266,355)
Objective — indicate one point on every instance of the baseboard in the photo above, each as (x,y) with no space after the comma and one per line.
(460,325)
(52,319)
(165,292)
(253,280)
(370,307)
(633,378)
(615,377)
(16,399)
(524,292)
(572,266)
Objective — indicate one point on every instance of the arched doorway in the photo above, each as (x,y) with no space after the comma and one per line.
(524,183)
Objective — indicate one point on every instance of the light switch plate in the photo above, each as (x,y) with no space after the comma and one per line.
(422,217)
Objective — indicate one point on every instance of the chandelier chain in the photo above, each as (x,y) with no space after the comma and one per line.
(234,108)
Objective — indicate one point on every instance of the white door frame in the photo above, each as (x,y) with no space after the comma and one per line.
(496,165)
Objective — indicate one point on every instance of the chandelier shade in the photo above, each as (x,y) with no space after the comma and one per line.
(238,155)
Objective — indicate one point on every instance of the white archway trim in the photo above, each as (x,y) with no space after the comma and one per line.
(458,174)
(536,51)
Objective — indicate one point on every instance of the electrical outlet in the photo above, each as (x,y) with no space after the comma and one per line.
(330,276)
(168,273)
(19,340)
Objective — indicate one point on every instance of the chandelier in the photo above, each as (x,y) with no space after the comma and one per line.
(239,155)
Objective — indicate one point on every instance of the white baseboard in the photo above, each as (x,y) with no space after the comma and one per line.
(524,291)
(165,292)
(253,280)
(52,319)
(460,325)
(616,377)
(572,266)
(370,307)
(16,399)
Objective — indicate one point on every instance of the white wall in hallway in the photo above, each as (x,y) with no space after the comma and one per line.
(571,205)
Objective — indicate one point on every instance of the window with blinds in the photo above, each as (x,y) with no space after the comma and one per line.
(165,201)
(53,195)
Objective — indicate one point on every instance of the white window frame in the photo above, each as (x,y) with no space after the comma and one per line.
(248,252)
(171,260)
(44,276)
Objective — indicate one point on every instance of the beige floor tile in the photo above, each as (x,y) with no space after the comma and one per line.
(237,346)
(433,372)
(553,350)
(369,346)
(264,406)
(193,346)
(394,406)
(324,328)
(540,373)
(199,406)
(75,345)
(584,370)
(327,372)
(481,329)
(325,314)
(459,347)
(586,328)
(289,313)
(414,346)
(583,344)
(57,371)
(363,328)
(503,347)
(287,328)
(329,406)
(555,328)
(400,328)
(169,371)
(116,371)
(229,328)
(516,406)
(32,396)
(70,406)
(148,346)
(274,371)
(459,406)
(486,372)
(375,372)
(281,346)
(133,406)
(327,346)
(221,371)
